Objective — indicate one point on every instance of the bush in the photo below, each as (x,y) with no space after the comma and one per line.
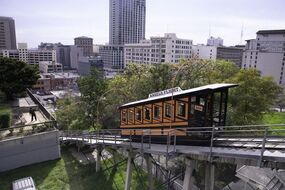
(5,120)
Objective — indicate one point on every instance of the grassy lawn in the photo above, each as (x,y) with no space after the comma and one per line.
(67,173)
(274,118)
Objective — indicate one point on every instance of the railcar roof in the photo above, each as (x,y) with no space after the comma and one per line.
(201,88)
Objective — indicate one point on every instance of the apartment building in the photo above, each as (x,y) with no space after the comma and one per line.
(267,54)
(168,48)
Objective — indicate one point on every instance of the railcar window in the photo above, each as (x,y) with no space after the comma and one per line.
(131,115)
(147,113)
(124,116)
(202,101)
(192,106)
(157,112)
(168,110)
(138,114)
(181,109)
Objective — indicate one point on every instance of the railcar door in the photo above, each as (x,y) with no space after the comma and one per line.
(198,111)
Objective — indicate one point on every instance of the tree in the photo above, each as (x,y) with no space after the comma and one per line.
(280,102)
(254,96)
(92,88)
(71,114)
(16,76)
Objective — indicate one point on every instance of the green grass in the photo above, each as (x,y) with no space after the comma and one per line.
(274,118)
(66,173)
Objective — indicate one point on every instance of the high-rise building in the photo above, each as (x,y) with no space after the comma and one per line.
(168,49)
(267,54)
(212,41)
(7,33)
(67,55)
(126,25)
(127,21)
(86,44)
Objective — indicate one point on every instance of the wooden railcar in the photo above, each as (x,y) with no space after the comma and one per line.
(176,109)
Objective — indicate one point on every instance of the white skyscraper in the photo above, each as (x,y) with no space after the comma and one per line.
(127,21)
(127,25)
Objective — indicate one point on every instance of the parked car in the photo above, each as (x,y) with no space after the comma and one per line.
(26,183)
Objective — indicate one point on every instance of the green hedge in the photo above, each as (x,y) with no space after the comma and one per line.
(5,117)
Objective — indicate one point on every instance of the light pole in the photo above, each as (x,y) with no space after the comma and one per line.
(99,99)
(172,91)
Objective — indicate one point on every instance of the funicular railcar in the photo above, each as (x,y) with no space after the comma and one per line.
(176,109)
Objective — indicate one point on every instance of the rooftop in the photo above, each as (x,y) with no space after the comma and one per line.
(281,31)
(85,37)
(192,90)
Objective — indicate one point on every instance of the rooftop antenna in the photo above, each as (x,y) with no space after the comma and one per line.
(209,30)
(241,35)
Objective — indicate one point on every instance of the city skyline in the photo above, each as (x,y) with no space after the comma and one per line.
(62,21)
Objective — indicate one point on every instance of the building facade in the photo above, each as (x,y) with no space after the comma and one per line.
(126,21)
(168,49)
(56,81)
(50,67)
(112,56)
(86,44)
(233,54)
(29,56)
(204,52)
(212,41)
(7,33)
(266,53)
(67,55)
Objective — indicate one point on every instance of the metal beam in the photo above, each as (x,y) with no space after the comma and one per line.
(129,170)
(147,158)
(189,178)
(209,176)
(98,158)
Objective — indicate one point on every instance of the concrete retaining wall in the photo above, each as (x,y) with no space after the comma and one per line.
(22,151)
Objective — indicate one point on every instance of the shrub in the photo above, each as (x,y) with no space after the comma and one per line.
(5,120)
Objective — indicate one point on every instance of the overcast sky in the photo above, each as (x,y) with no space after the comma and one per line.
(62,20)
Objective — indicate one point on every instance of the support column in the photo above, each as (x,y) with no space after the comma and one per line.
(98,158)
(147,158)
(209,176)
(189,178)
(129,170)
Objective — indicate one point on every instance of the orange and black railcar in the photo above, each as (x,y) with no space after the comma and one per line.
(175,110)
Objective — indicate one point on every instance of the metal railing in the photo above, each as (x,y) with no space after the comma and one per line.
(25,130)
(260,137)
(45,112)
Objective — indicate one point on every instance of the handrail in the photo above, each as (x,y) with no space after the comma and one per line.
(46,113)
(241,134)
